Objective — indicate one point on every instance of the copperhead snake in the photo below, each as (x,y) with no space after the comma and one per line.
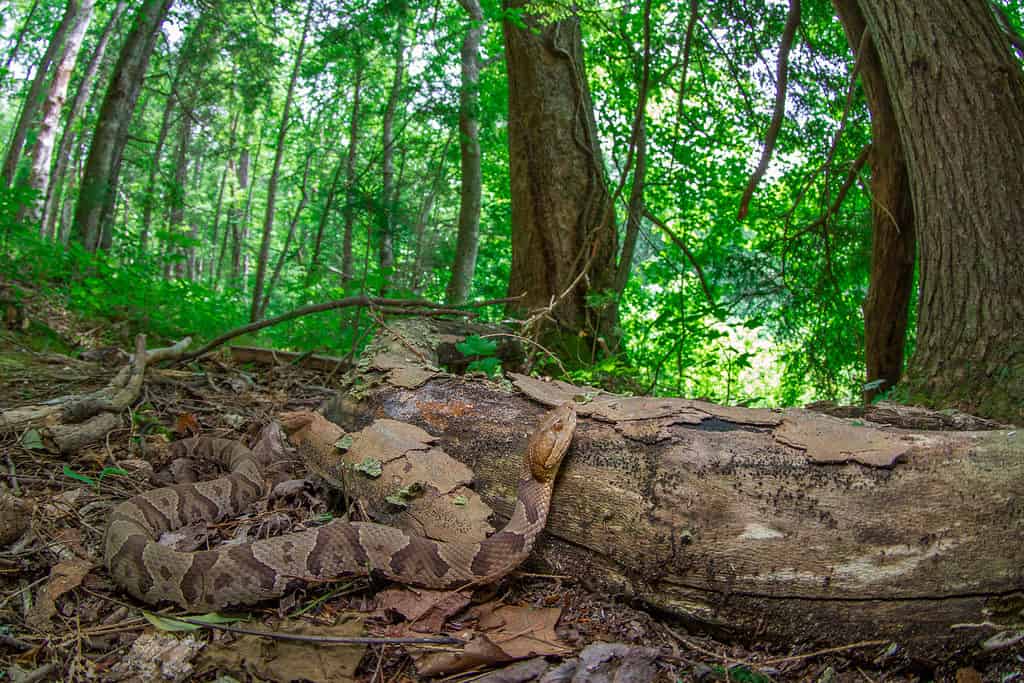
(248,573)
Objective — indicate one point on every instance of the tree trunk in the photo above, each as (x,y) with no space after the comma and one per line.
(348,214)
(638,148)
(385,240)
(325,214)
(282,133)
(34,98)
(178,190)
(42,153)
(563,232)
(469,146)
(21,36)
(216,257)
(99,184)
(887,305)
(292,225)
(67,137)
(783,525)
(423,262)
(958,96)
(151,197)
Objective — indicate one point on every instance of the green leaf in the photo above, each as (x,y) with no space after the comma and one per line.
(402,496)
(461,501)
(371,467)
(174,625)
(475,345)
(112,472)
(344,443)
(33,441)
(488,366)
(71,474)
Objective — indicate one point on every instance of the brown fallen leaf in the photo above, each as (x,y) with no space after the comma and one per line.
(186,424)
(426,610)
(504,633)
(283,660)
(64,576)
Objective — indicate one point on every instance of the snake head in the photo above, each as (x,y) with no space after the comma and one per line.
(550,442)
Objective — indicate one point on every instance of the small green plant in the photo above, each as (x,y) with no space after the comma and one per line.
(95,483)
(484,350)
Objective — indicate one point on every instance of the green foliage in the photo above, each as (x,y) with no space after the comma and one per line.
(94,482)
(766,310)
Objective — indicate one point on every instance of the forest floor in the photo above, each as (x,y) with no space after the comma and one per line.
(61,617)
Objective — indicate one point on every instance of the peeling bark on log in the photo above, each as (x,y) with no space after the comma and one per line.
(787,525)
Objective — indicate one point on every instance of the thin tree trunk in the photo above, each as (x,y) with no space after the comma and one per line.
(563,235)
(268,218)
(423,262)
(348,212)
(958,96)
(385,240)
(887,306)
(150,198)
(67,138)
(13,54)
(178,192)
(99,185)
(240,258)
(34,98)
(215,259)
(468,239)
(42,152)
(332,191)
(636,208)
(292,225)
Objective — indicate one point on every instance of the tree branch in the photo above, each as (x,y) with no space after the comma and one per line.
(678,241)
(405,306)
(782,75)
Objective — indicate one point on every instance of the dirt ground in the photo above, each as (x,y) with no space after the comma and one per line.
(61,617)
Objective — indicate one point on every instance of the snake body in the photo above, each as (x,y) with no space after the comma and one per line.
(248,573)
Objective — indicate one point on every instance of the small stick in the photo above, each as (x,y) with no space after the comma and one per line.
(333,640)
(827,651)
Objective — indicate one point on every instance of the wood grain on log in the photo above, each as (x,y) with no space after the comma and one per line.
(754,523)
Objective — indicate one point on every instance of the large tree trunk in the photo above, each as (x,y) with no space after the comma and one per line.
(42,152)
(282,134)
(469,146)
(787,525)
(958,95)
(887,305)
(34,98)
(67,138)
(563,232)
(99,184)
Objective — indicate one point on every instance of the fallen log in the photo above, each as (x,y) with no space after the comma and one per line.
(787,525)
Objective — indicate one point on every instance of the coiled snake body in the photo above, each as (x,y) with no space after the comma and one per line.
(248,573)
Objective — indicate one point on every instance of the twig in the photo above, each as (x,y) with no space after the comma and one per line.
(339,640)
(520,337)
(22,590)
(827,651)
(16,643)
(13,475)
